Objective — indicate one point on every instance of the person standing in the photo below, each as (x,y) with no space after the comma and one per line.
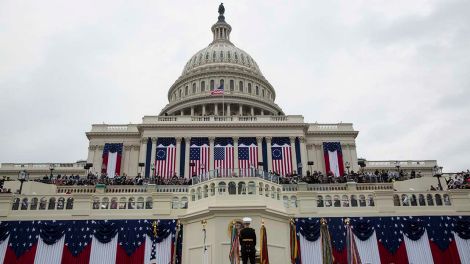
(248,242)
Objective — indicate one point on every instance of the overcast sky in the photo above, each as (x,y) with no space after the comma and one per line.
(398,70)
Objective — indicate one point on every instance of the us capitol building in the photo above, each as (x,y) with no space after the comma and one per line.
(223,129)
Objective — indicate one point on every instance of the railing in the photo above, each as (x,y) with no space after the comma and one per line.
(172,188)
(432,198)
(235,173)
(131,128)
(76,189)
(217,119)
(330,127)
(401,163)
(46,166)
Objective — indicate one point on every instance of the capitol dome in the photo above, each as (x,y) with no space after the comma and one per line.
(221,63)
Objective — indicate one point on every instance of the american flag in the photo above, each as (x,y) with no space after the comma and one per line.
(166,157)
(247,155)
(223,155)
(219,90)
(282,156)
(199,155)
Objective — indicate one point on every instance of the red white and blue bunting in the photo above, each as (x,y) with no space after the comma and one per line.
(397,239)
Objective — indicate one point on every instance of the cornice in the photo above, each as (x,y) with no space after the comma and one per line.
(112,134)
(222,125)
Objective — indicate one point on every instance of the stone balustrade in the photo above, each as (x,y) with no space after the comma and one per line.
(172,200)
(218,119)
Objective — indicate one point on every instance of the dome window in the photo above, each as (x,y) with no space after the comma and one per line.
(263,93)
(249,88)
(236,57)
(213,56)
(194,88)
(232,85)
(207,56)
(221,82)
(228,55)
(186,90)
(180,93)
(221,55)
(203,86)
(212,85)
(243,59)
(257,90)
(240,86)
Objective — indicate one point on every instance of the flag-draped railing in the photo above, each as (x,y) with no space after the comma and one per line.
(247,156)
(281,156)
(224,156)
(111,159)
(396,239)
(90,241)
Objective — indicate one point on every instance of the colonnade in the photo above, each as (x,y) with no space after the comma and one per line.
(226,109)
(259,140)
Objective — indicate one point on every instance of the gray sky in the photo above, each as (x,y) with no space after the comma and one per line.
(399,70)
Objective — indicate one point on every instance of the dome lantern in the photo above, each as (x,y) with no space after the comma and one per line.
(221,30)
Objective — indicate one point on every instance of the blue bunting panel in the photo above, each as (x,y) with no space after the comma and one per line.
(79,233)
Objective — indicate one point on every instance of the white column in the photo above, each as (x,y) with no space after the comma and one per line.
(91,153)
(211,153)
(192,110)
(228,110)
(303,155)
(178,156)
(240,110)
(252,111)
(235,153)
(294,157)
(127,160)
(259,141)
(143,150)
(203,109)
(270,154)
(154,151)
(187,173)
(216,109)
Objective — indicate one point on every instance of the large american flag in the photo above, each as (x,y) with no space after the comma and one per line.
(199,155)
(165,165)
(282,156)
(247,156)
(223,155)
(219,90)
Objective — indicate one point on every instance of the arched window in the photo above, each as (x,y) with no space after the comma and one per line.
(51,203)
(285,200)
(430,200)
(212,85)
(96,203)
(175,203)
(199,193)
(60,203)
(345,201)
(16,204)
(221,82)
(421,200)
(293,201)
(205,191)
(396,200)
(34,204)
(194,88)
(180,93)
(140,203)
(149,203)
(212,189)
(228,55)
(370,199)
(413,201)
(405,200)
(263,92)
(336,201)
(43,203)
(327,201)
(249,88)
(114,203)
(186,90)
(232,85)
(207,56)
(362,200)
(184,202)
(232,188)
(131,203)
(353,201)
(69,205)
(257,90)
(213,56)
(24,204)
(438,200)
(203,86)
(236,56)
(320,201)
(122,203)
(240,86)
(241,188)
(105,203)
(447,199)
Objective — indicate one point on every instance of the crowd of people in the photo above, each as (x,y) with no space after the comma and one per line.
(459,180)
(359,177)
